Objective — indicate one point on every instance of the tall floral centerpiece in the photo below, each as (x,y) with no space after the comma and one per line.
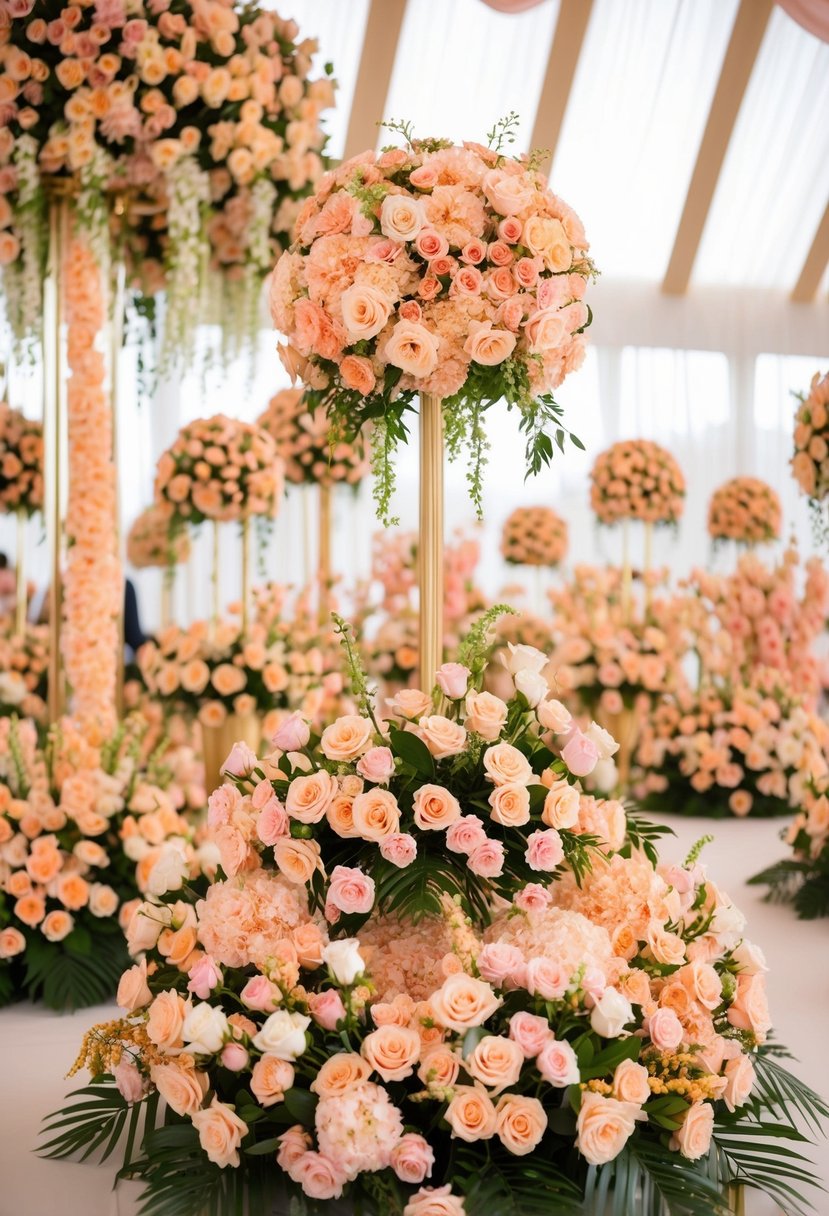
(150,544)
(534,536)
(746,510)
(21,488)
(810,462)
(450,272)
(435,979)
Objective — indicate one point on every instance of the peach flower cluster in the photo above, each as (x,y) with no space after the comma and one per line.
(149,542)
(21,461)
(24,665)
(93,583)
(312,454)
(810,463)
(534,536)
(739,749)
(745,509)
(637,479)
(221,469)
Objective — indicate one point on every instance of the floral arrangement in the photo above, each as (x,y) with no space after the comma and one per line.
(149,542)
(745,509)
(21,461)
(437,269)
(763,616)
(216,669)
(412,991)
(732,750)
(803,878)
(67,869)
(305,443)
(534,536)
(24,667)
(810,463)
(205,126)
(219,468)
(93,582)
(637,479)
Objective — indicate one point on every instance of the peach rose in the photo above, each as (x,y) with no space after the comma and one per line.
(357,373)
(181,1086)
(221,1131)
(413,349)
(12,942)
(392,1051)
(366,309)
(630,1083)
(496,1062)
(309,797)
(412,1159)
(57,925)
(410,703)
(270,1078)
(463,1002)
(435,1201)
(693,1137)
(340,1073)
(488,346)
(439,1068)
(561,806)
(471,1114)
(166,1020)
(510,805)
(739,1074)
(485,714)
(133,990)
(604,1126)
(375,814)
(505,765)
(442,736)
(347,738)
(435,808)
(521,1123)
(296,860)
(750,1010)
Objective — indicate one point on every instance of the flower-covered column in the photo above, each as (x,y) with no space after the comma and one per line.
(93,577)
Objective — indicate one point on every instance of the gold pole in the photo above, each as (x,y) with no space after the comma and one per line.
(168,575)
(430,546)
(648,560)
(305,491)
(627,574)
(54,423)
(245,574)
(737,1199)
(324,554)
(22,598)
(214,576)
(116,341)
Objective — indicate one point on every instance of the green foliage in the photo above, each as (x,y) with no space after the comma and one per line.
(504,131)
(534,1185)
(644,835)
(475,648)
(76,972)
(648,1179)
(97,1121)
(801,882)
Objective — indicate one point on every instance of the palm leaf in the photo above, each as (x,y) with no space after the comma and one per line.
(512,1186)
(74,973)
(783,1095)
(98,1120)
(647,1179)
(752,1155)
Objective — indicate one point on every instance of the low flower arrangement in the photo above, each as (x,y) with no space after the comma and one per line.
(745,509)
(436,980)
(21,461)
(747,749)
(219,469)
(68,877)
(637,479)
(303,437)
(431,268)
(810,463)
(803,879)
(534,536)
(24,670)
(149,542)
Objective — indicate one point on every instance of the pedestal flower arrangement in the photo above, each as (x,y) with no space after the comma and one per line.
(21,462)
(312,455)
(746,510)
(810,462)
(420,986)
(637,479)
(149,542)
(534,536)
(447,271)
(803,878)
(24,664)
(67,871)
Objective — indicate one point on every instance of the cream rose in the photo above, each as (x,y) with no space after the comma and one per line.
(401,217)
(375,814)
(508,193)
(221,1131)
(485,714)
(366,310)
(693,1137)
(496,1062)
(463,1002)
(283,1035)
(435,809)
(505,765)
(561,806)
(347,738)
(181,1085)
(546,238)
(471,1114)
(510,805)
(604,1126)
(520,1123)
(413,349)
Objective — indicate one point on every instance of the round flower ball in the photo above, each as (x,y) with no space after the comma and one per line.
(149,542)
(534,536)
(637,479)
(220,469)
(21,461)
(810,463)
(745,509)
(304,441)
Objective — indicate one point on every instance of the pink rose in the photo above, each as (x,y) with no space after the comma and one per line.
(531,1032)
(510,230)
(434,1200)
(580,754)
(318,1177)
(452,680)
(665,1029)
(546,979)
(400,849)
(234,1057)
(351,891)
(327,1008)
(376,765)
(129,1082)
(544,850)
(260,994)
(241,762)
(487,861)
(412,1159)
(272,822)
(557,1064)
(431,244)
(499,253)
(533,898)
(526,271)
(500,963)
(465,835)
(203,977)
(293,734)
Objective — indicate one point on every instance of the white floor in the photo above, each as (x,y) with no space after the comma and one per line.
(38,1047)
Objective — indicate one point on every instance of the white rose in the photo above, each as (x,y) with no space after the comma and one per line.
(532,684)
(603,739)
(523,658)
(145,926)
(401,217)
(344,960)
(135,846)
(204,1030)
(611,1014)
(12,688)
(727,920)
(283,1035)
(171,869)
(366,310)
(750,958)
(554,716)
(604,776)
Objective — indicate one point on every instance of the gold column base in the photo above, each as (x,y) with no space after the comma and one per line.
(624,726)
(324,552)
(20,588)
(218,740)
(430,544)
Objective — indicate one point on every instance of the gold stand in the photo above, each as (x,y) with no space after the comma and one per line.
(627,573)
(245,575)
(214,579)
(168,576)
(624,727)
(324,552)
(54,429)
(116,341)
(21,591)
(430,544)
(648,561)
(218,740)
(737,1200)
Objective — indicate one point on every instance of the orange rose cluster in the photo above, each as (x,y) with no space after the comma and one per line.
(312,454)
(534,536)
(637,479)
(745,509)
(21,461)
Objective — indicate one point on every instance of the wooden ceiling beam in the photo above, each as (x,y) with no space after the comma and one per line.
(383,25)
(746,37)
(568,39)
(817,259)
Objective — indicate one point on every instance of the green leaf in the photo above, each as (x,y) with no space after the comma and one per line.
(412,751)
(67,981)
(97,1120)
(301,1105)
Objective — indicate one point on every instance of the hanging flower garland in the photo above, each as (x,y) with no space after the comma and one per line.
(304,441)
(745,509)
(637,479)
(534,536)
(21,461)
